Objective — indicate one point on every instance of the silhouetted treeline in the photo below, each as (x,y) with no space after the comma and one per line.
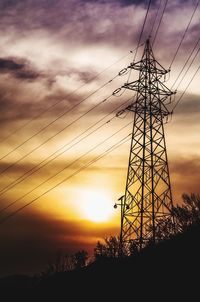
(167,271)
(66,262)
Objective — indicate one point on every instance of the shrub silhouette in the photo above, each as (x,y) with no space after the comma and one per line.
(66,262)
(188,214)
(80,259)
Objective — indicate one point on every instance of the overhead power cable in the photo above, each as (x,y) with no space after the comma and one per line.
(142,30)
(184,34)
(109,150)
(156,33)
(60,151)
(70,94)
(154,22)
(62,100)
(187,60)
(54,135)
(66,167)
(45,127)
(188,69)
(56,119)
(178,101)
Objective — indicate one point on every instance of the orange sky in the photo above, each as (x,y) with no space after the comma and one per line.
(46,54)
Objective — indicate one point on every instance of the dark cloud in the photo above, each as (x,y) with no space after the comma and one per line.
(185,175)
(44,171)
(186,166)
(76,21)
(18,69)
(17,169)
(14,111)
(136,2)
(83,22)
(16,105)
(122,2)
(9,65)
(189,106)
(85,76)
(36,14)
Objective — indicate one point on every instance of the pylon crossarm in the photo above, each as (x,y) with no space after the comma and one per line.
(152,68)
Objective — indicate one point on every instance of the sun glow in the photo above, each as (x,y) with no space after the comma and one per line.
(97,206)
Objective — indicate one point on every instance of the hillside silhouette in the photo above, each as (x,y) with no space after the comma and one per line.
(166,271)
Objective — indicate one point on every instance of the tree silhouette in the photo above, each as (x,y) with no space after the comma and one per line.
(109,249)
(62,263)
(189,213)
(185,215)
(66,262)
(80,259)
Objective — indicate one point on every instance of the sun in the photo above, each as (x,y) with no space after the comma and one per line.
(96,206)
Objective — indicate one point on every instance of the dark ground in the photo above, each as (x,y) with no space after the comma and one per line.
(169,271)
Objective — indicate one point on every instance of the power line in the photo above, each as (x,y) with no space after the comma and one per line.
(66,167)
(49,159)
(73,92)
(54,135)
(60,101)
(187,60)
(37,147)
(140,37)
(160,22)
(115,146)
(65,112)
(184,34)
(152,28)
(188,68)
(61,115)
(142,30)
(186,88)
(85,137)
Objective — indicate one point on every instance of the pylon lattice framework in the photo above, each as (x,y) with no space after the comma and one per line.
(148,196)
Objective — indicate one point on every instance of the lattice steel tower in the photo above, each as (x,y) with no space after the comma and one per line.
(148,196)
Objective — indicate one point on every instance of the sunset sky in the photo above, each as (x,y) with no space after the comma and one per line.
(53,55)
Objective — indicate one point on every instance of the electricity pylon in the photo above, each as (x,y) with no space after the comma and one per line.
(148,196)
